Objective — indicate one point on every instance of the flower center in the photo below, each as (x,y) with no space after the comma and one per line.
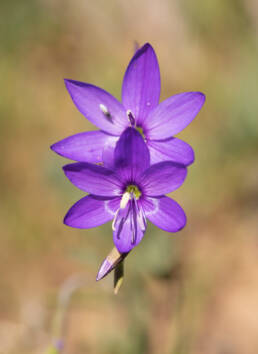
(132,192)
(132,189)
(131,214)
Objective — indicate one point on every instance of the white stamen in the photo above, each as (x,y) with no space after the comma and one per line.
(125,199)
(114,220)
(142,220)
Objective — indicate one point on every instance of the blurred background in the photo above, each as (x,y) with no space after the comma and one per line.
(194,292)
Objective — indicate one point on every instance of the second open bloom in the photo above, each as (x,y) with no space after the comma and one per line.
(130,192)
(140,108)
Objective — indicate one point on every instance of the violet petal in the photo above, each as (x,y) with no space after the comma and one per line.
(84,147)
(162,178)
(128,232)
(172,149)
(108,153)
(91,211)
(98,106)
(173,115)
(93,179)
(131,154)
(165,213)
(141,84)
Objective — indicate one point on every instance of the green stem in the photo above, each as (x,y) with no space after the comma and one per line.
(118,276)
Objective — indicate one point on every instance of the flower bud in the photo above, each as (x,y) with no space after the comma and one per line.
(110,262)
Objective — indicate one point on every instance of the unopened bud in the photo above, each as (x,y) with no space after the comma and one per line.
(110,262)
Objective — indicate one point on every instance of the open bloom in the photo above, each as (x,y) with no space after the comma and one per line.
(140,108)
(129,193)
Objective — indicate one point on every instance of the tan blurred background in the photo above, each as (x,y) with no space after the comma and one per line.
(195,292)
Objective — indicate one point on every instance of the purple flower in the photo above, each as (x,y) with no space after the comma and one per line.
(130,193)
(140,108)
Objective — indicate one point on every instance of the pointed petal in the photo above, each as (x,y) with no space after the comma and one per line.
(84,147)
(124,242)
(91,211)
(128,228)
(93,179)
(141,84)
(173,115)
(93,102)
(165,213)
(131,154)
(162,178)
(172,149)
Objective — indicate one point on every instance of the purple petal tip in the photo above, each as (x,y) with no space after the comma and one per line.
(202,95)
(69,82)
(54,147)
(145,47)
(66,81)
(104,269)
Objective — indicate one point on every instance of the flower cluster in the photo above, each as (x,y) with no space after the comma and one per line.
(129,165)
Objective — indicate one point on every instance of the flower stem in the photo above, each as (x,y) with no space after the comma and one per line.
(118,277)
